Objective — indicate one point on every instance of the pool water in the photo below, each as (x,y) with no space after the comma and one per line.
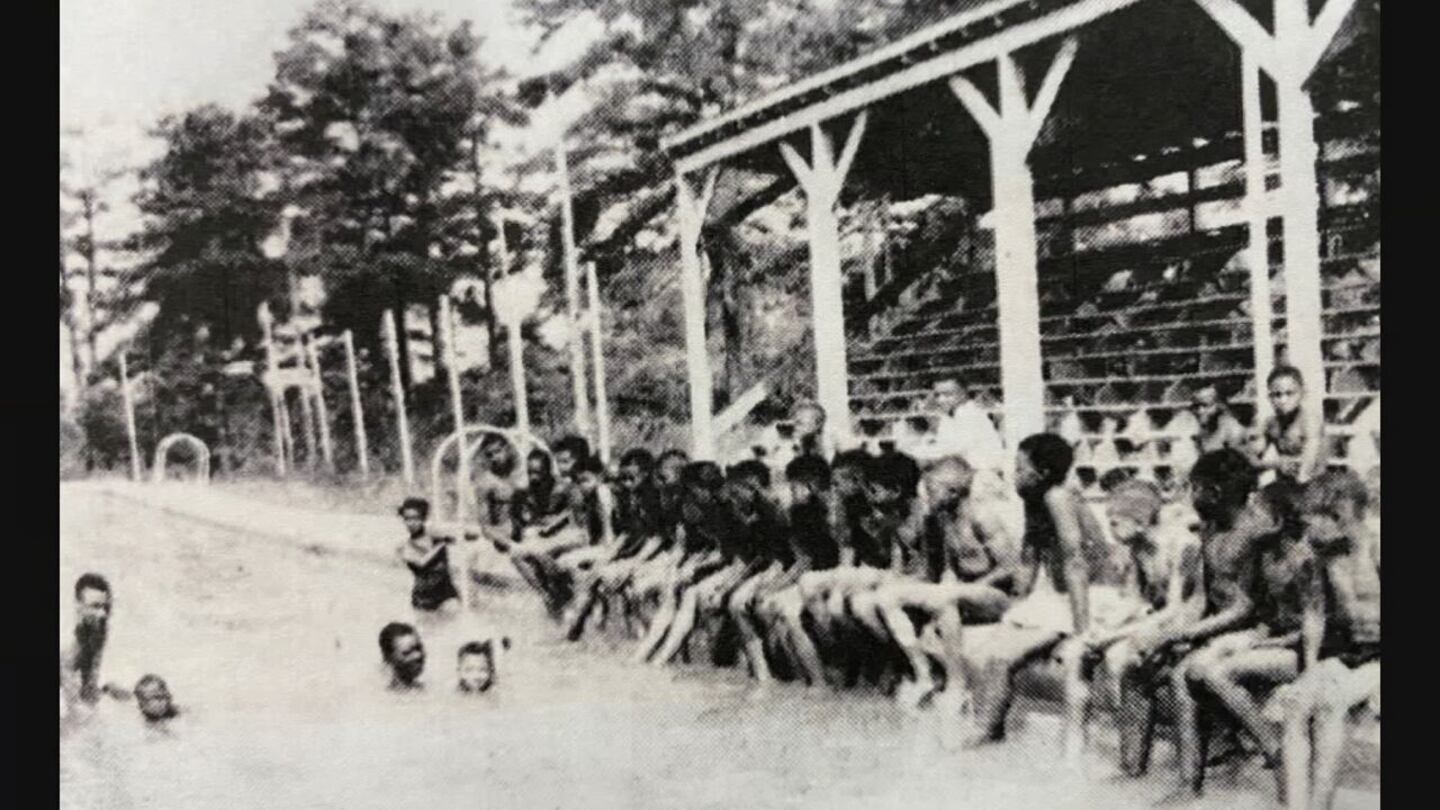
(271,650)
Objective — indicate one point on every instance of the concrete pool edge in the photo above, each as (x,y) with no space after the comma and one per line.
(367,538)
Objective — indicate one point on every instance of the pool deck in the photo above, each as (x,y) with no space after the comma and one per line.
(371,538)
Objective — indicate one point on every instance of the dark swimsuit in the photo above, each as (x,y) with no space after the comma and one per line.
(433,586)
(810,526)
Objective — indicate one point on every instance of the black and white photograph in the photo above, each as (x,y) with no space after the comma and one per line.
(690,404)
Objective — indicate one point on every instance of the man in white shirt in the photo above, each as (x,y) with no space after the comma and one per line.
(962,429)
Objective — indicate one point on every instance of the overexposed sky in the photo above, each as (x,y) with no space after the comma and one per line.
(125,63)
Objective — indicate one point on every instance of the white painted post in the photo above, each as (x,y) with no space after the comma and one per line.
(457,410)
(267,337)
(129,405)
(287,429)
(572,296)
(322,412)
(597,350)
(397,390)
(307,418)
(357,410)
(514,341)
(1257,253)
(822,179)
(690,207)
(1304,331)
(1012,129)
(1290,55)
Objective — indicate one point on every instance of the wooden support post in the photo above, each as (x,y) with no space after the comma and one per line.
(597,349)
(572,296)
(691,206)
(1257,252)
(1012,129)
(457,410)
(322,412)
(277,402)
(129,405)
(287,429)
(514,341)
(357,410)
(397,390)
(822,179)
(1304,330)
(307,420)
(1290,55)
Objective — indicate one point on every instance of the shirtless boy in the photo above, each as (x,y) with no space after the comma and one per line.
(1291,442)
(967,572)
(1062,552)
(1163,575)
(553,518)
(1219,428)
(785,610)
(1342,671)
(1231,527)
(694,551)
(635,522)
(812,546)
(496,490)
(1288,600)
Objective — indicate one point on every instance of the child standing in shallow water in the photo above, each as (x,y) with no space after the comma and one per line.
(1291,443)
(429,558)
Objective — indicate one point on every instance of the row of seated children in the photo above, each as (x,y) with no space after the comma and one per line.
(867,559)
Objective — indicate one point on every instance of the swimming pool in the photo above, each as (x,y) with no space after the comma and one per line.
(272,649)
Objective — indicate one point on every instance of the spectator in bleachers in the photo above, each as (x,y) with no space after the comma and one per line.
(1292,442)
(962,429)
(1219,428)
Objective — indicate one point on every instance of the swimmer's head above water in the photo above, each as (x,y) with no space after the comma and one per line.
(403,653)
(475,665)
(152,697)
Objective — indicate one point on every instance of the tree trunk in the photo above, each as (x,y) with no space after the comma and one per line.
(492,336)
(91,271)
(437,332)
(77,365)
(402,337)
